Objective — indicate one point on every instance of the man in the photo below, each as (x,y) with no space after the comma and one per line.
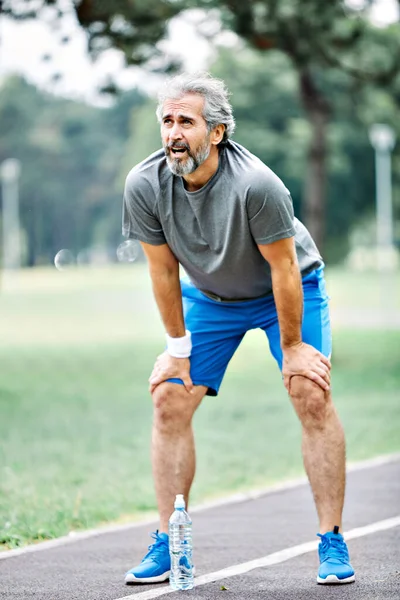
(208,204)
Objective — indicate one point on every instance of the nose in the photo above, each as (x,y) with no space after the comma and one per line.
(175,133)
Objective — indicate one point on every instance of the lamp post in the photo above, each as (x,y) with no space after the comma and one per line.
(9,172)
(382,138)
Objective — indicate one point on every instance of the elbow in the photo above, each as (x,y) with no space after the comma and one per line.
(165,271)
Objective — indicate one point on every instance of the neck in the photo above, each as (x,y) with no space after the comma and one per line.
(207,169)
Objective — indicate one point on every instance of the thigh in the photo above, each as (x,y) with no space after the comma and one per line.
(316,328)
(217,330)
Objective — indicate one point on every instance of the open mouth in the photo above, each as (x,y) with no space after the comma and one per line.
(177,150)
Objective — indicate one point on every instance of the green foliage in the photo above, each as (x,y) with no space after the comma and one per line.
(75,157)
(337,37)
(317,49)
(70,155)
(132,26)
(144,137)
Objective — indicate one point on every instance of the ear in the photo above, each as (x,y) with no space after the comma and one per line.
(217,134)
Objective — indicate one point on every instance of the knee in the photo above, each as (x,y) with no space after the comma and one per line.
(312,404)
(172,408)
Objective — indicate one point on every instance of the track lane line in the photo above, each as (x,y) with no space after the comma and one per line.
(75,536)
(267,561)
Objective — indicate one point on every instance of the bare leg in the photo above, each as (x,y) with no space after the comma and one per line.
(172,447)
(323,447)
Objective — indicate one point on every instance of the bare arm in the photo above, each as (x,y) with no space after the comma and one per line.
(164,273)
(298,358)
(287,289)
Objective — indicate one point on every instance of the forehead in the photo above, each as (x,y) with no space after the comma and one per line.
(188,105)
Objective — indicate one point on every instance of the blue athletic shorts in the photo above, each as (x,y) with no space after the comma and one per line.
(218,327)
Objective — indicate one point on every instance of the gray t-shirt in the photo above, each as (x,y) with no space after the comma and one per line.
(214,231)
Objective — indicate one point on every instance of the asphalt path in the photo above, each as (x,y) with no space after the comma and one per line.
(257,548)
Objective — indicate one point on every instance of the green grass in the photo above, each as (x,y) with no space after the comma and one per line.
(76,350)
(366,290)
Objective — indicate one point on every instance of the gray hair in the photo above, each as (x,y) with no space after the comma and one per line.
(217,108)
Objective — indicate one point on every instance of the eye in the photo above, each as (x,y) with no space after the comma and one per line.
(187,121)
(167,121)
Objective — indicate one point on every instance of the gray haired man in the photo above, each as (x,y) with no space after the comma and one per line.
(207,203)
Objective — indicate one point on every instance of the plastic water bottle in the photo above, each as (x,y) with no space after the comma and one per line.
(180,547)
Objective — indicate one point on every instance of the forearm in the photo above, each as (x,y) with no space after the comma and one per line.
(288,296)
(168,296)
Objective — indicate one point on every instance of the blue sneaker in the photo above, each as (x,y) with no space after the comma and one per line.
(155,566)
(335,564)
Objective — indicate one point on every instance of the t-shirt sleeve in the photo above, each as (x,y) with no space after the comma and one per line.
(270,210)
(139,218)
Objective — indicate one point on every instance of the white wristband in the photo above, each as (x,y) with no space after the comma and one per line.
(180,347)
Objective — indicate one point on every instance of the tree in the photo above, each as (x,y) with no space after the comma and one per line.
(70,154)
(75,157)
(316,39)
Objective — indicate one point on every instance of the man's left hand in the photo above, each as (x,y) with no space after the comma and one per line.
(303,359)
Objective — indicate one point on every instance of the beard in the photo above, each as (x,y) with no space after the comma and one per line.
(193,160)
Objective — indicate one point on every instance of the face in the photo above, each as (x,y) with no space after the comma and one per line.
(185,137)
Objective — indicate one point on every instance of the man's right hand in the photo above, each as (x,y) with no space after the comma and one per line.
(167,367)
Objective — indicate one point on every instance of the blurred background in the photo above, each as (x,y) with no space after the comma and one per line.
(316,95)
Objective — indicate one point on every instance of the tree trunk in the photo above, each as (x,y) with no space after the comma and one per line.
(318,112)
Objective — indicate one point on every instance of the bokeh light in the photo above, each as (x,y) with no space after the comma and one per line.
(128,251)
(64,259)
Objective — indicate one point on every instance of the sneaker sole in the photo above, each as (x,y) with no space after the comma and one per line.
(333,580)
(130,578)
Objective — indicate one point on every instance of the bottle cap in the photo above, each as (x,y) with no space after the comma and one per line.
(179,501)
